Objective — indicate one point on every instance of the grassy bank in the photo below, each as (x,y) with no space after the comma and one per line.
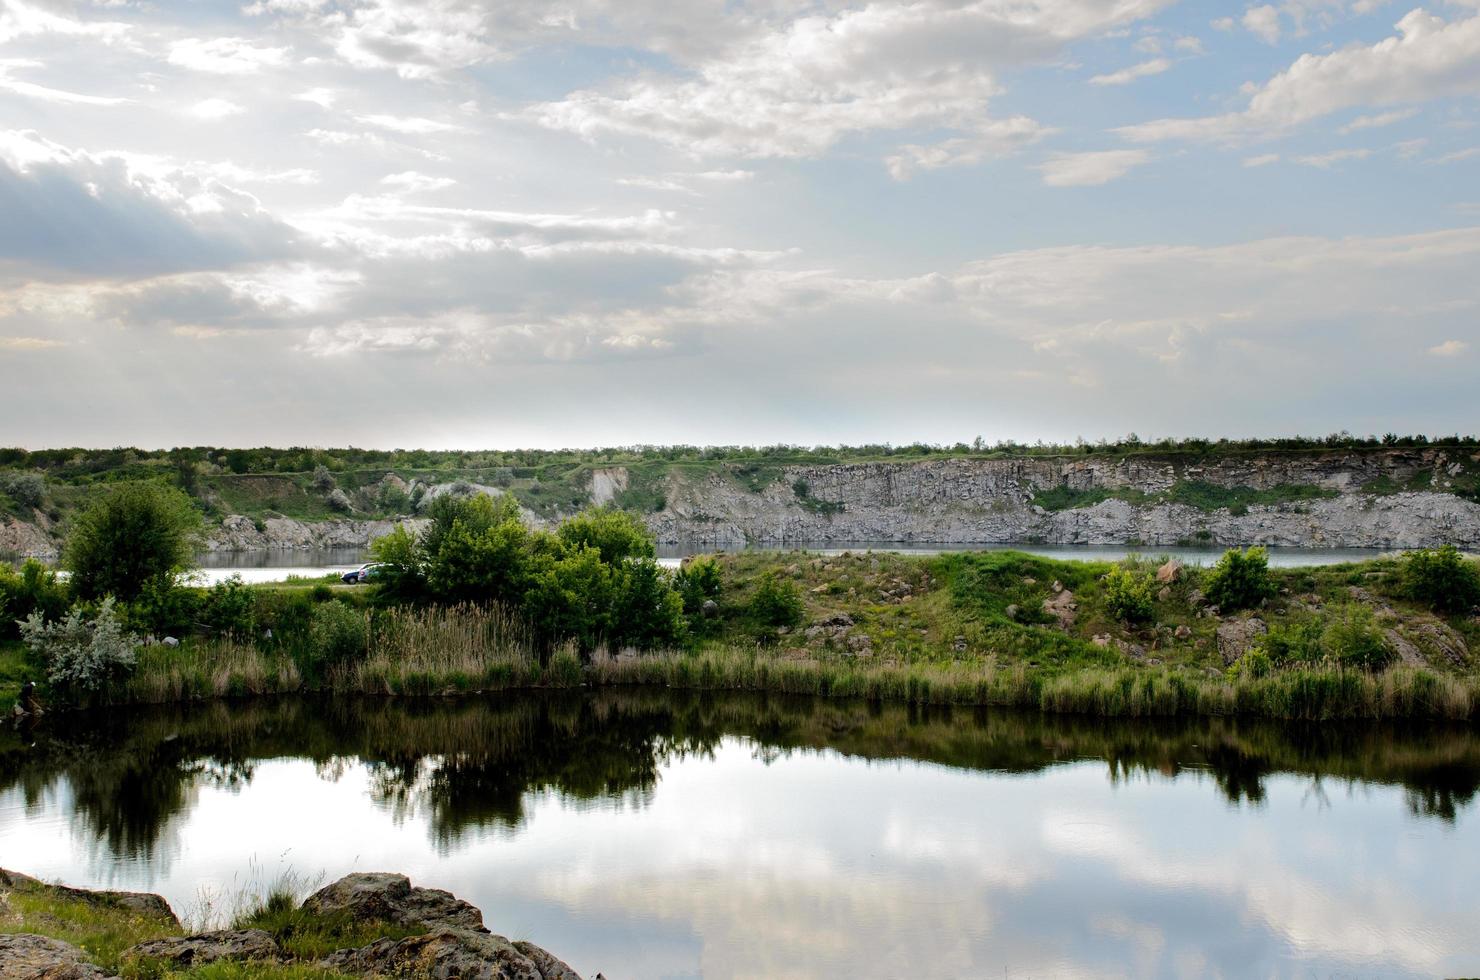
(105,929)
(993,628)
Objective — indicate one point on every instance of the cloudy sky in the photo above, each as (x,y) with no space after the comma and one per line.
(579,222)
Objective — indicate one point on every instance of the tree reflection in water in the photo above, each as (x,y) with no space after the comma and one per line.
(471,764)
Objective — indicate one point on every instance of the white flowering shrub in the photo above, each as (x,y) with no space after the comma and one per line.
(81,657)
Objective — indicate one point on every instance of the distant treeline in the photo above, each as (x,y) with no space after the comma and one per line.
(83,465)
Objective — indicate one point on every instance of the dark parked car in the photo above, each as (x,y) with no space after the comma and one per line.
(364,573)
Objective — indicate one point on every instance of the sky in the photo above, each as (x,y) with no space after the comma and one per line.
(452,224)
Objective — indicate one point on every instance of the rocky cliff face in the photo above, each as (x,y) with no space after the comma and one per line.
(991,501)
(238,533)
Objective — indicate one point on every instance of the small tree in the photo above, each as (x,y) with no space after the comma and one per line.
(323,480)
(648,613)
(1128,595)
(1352,638)
(135,534)
(26,488)
(1441,578)
(776,605)
(616,534)
(34,589)
(337,634)
(698,582)
(1240,580)
(81,658)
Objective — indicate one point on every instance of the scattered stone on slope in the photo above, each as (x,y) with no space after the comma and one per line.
(1170,572)
(1062,607)
(226,945)
(1236,636)
(27,957)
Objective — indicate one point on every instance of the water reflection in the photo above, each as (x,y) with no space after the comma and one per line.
(653,833)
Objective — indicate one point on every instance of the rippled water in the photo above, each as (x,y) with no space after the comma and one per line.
(661,834)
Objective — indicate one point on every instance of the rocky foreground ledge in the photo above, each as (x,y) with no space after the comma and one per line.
(450,940)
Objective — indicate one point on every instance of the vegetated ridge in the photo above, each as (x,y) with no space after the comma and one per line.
(1341,491)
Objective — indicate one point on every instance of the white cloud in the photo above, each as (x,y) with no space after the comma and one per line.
(19,19)
(412,182)
(1127,75)
(1378,119)
(1262,160)
(215,109)
(1449,348)
(1188,45)
(1263,22)
(1428,59)
(796,91)
(1090,169)
(1224,24)
(45,94)
(225,55)
(1326,160)
(324,98)
(1458,155)
(411,125)
(995,139)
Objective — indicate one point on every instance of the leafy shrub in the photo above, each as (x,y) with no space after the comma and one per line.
(402,572)
(229,609)
(697,582)
(572,599)
(135,534)
(1255,663)
(647,613)
(1240,580)
(616,534)
(776,604)
(34,589)
(26,488)
(337,635)
(81,658)
(163,609)
(1128,595)
(1441,578)
(1352,638)
(323,480)
(1292,643)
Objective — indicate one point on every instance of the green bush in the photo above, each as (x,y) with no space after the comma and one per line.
(697,582)
(647,613)
(616,534)
(163,609)
(81,658)
(1240,580)
(1441,578)
(337,635)
(229,609)
(34,589)
(134,535)
(775,605)
(1292,643)
(402,574)
(1128,595)
(572,598)
(1352,638)
(26,488)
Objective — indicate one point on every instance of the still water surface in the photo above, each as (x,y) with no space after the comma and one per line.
(276,566)
(661,834)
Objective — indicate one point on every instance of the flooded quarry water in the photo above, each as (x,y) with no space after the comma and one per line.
(654,833)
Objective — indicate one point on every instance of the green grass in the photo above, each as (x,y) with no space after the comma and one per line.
(310,937)
(100,929)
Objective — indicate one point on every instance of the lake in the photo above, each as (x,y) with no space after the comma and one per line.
(660,834)
(275,566)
